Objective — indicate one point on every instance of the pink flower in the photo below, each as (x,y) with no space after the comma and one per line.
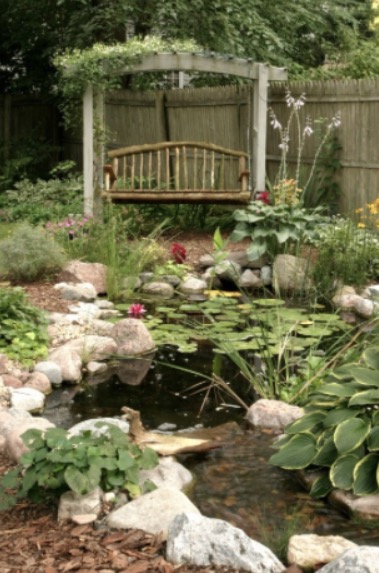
(178,252)
(136,310)
(263,196)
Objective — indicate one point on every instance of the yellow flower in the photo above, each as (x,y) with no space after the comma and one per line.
(361,226)
(360,210)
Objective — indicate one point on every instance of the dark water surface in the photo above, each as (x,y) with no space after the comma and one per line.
(235,482)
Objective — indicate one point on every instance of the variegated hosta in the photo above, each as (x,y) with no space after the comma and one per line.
(339,432)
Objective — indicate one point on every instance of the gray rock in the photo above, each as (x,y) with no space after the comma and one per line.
(11,381)
(310,550)
(168,473)
(205,542)
(193,285)
(91,425)
(86,312)
(206,261)
(132,283)
(266,275)
(291,273)
(132,337)
(71,504)
(101,327)
(96,367)
(159,288)
(82,292)
(364,307)
(10,418)
(39,381)
(362,559)
(238,256)
(373,292)
(28,399)
(5,394)
(228,270)
(273,414)
(172,280)
(146,277)
(51,370)
(92,347)
(104,304)
(152,512)
(250,279)
(365,507)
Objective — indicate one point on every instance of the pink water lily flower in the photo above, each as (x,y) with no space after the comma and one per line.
(136,310)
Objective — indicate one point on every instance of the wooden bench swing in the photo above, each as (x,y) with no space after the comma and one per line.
(177,172)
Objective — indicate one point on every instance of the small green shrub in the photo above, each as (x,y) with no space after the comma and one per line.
(57,462)
(23,335)
(339,434)
(30,254)
(41,201)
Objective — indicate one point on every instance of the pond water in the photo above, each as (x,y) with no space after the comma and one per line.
(235,482)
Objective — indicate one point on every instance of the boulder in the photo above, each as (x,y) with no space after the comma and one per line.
(5,394)
(85,312)
(362,507)
(266,275)
(72,504)
(159,289)
(91,425)
(228,271)
(80,272)
(168,473)
(291,273)
(193,285)
(28,399)
(15,447)
(250,279)
(81,291)
(152,512)
(132,337)
(10,418)
(310,551)
(11,381)
(362,559)
(69,362)
(51,370)
(364,307)
(39,381)
(273,414)
(92,347)
(203,542)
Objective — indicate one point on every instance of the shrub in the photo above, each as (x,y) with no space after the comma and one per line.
(23,335)
(57,462)
(29,254)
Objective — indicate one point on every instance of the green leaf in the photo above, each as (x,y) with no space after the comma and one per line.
(373,439)
(327,453)
(149,459)
(133,489)
(365,475)
(125,461)
(321,487)
(296,454)
(306,422)
(338,415)
(350,434)
(345,390)
(365,376)
(371,357)
(11,479)
(82,482)
(256,250)
(29,480)
(56,438)
(365,398)
(218,241)
(341,472)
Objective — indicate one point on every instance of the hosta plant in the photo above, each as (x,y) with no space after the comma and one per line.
(57,462)
(273,228)
(339,433)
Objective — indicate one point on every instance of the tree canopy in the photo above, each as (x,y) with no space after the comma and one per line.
(298,34)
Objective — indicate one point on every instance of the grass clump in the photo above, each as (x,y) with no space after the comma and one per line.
(29,254)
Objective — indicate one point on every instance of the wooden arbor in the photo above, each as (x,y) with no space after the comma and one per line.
(93,113)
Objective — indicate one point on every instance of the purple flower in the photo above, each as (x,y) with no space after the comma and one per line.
(136,310)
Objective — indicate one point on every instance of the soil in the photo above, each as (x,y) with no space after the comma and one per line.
(32,540)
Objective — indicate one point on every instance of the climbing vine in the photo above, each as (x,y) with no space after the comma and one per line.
(100,66)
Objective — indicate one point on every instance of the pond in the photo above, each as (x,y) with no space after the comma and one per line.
(235,482)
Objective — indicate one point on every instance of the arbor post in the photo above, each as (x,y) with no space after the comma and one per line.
(88,151)
(260,127)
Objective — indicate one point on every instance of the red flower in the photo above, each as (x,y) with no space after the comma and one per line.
(263,196)
(136,310)
(178,252)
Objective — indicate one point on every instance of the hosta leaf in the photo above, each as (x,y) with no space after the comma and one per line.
(343,372)
(345,390)
(365,376)
(306,422)
(365,475)
(373,439)
(327,454)
(256,250)
(365,398)
(341,472)
(338,415)
(350,434)
(375,418)
(371,357)
(297,454)
(321,486)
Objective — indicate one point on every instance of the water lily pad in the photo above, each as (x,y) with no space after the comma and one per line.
(315,331)
(325,317)
(270,302)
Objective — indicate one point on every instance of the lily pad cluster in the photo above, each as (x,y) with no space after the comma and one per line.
(248,326)
(339,434)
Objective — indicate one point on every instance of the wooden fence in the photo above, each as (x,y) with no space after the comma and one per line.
(222,116)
